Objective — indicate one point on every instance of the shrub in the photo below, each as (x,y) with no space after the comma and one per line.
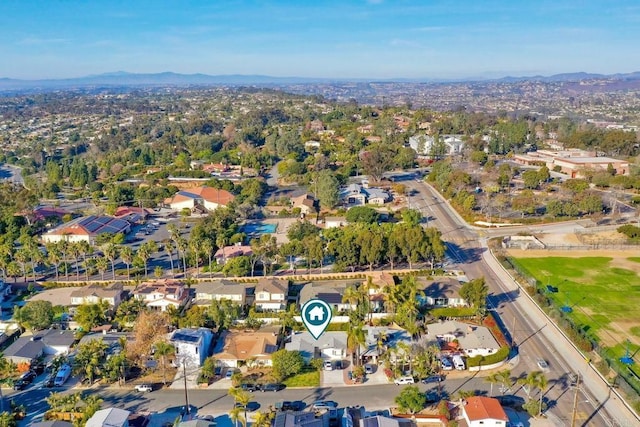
(496,357)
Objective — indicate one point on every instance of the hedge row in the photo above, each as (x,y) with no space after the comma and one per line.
(496,357)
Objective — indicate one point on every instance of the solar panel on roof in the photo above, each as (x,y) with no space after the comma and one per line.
(184,337)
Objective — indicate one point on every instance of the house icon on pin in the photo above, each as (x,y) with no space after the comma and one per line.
(317,314)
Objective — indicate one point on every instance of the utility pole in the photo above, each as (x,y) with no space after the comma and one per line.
(186,393)
(575,402)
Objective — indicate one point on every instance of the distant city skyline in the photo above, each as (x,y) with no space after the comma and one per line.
(381,39)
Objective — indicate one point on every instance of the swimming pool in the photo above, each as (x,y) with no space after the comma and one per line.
(259,228)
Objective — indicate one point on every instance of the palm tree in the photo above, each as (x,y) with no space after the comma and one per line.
(542,384)
(74,252)
(262,419)
(194,247)
(64,249)
(144,254)
(169,246)
(182,246)
(54,256)
(207,249)
(530,382)
(242,399)
(163,349)
(102,264)
(126,253)
(236,415)
(505,380)
(355,338)
(111,252)
(85,250)
(22,256)
(492,379)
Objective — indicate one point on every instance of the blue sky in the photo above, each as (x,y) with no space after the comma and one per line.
(342,38)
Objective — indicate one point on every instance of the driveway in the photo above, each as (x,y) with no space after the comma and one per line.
(334,378)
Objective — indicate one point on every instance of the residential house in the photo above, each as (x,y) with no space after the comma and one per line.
(28,348)
(218,290)
(358,195)
(442,293)
(425,145)
(271,294)
(96,293)
(380,338)
(377,283)
(53,423)
(481,411)
(453,335)
(192,344)
(204,197)
(301,419)
(160,295)
(225,253)
(332,295)
(86,229)
(382,421)
(305,202)
(239,347)
(110,417)
(110,338)
(331,345)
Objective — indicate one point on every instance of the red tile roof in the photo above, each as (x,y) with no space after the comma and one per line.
(482,408)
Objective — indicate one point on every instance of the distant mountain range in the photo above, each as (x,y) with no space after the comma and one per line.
(124,79)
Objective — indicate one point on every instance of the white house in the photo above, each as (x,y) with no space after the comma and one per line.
(160,295)
(330,294)
(271,294)
(110,417)
(192,345)
(480,411)
(472,340)
(423,145)
(95,293)
(442,293)
(85,229)
(358,195)
(331,345)
(200,197)
(334,221)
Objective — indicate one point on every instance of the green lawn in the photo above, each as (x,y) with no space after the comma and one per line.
(604,298)
(308,378)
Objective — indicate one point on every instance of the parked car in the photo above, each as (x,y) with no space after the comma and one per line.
(328,365)
(229,373)
(433,379)
(272,387)
(249,387)
(447,365)
(286,405)
(369,369)
(432,397)
(28,377)
(20,385)
(403,380)
(144,388)
(511,400)
(49,382)
(324,404)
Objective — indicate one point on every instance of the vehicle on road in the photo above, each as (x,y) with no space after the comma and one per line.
(404,380)
(432,396)
(28,377)
(272,387)
(144,388)
(249,387)
(433,379)
(63,375)
(324,404)
(542,364)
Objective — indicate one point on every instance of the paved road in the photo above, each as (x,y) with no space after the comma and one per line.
(11,173)
(534,335)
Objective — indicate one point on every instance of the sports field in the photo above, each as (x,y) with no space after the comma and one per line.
(602,291)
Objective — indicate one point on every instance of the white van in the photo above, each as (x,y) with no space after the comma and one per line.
(458,362)
(62,376)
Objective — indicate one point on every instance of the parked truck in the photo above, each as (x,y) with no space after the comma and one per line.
(63,375)
(458,362)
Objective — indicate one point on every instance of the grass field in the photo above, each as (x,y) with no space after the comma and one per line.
(603,293)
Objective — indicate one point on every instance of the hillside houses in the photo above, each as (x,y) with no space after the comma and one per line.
(359,195)
(199,198)
(425,145)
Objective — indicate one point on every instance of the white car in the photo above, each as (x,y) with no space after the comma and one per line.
(143,388)
(403,380)
(328,366)
(542,364)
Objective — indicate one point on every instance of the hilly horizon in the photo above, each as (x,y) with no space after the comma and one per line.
(124,78)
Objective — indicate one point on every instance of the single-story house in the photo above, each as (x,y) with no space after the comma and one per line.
(481,411)
(235,347)
(300,419)
(110,417)
(305,202)
(357,195)
(218,290)
(204,197)
(28,348)
(442,293)
(473,340)
(86,229)
(331,345)
(380,338)
(160,295)
(95,293)
(192,345)
(335,221)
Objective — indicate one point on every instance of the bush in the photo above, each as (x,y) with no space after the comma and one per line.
(496,357)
